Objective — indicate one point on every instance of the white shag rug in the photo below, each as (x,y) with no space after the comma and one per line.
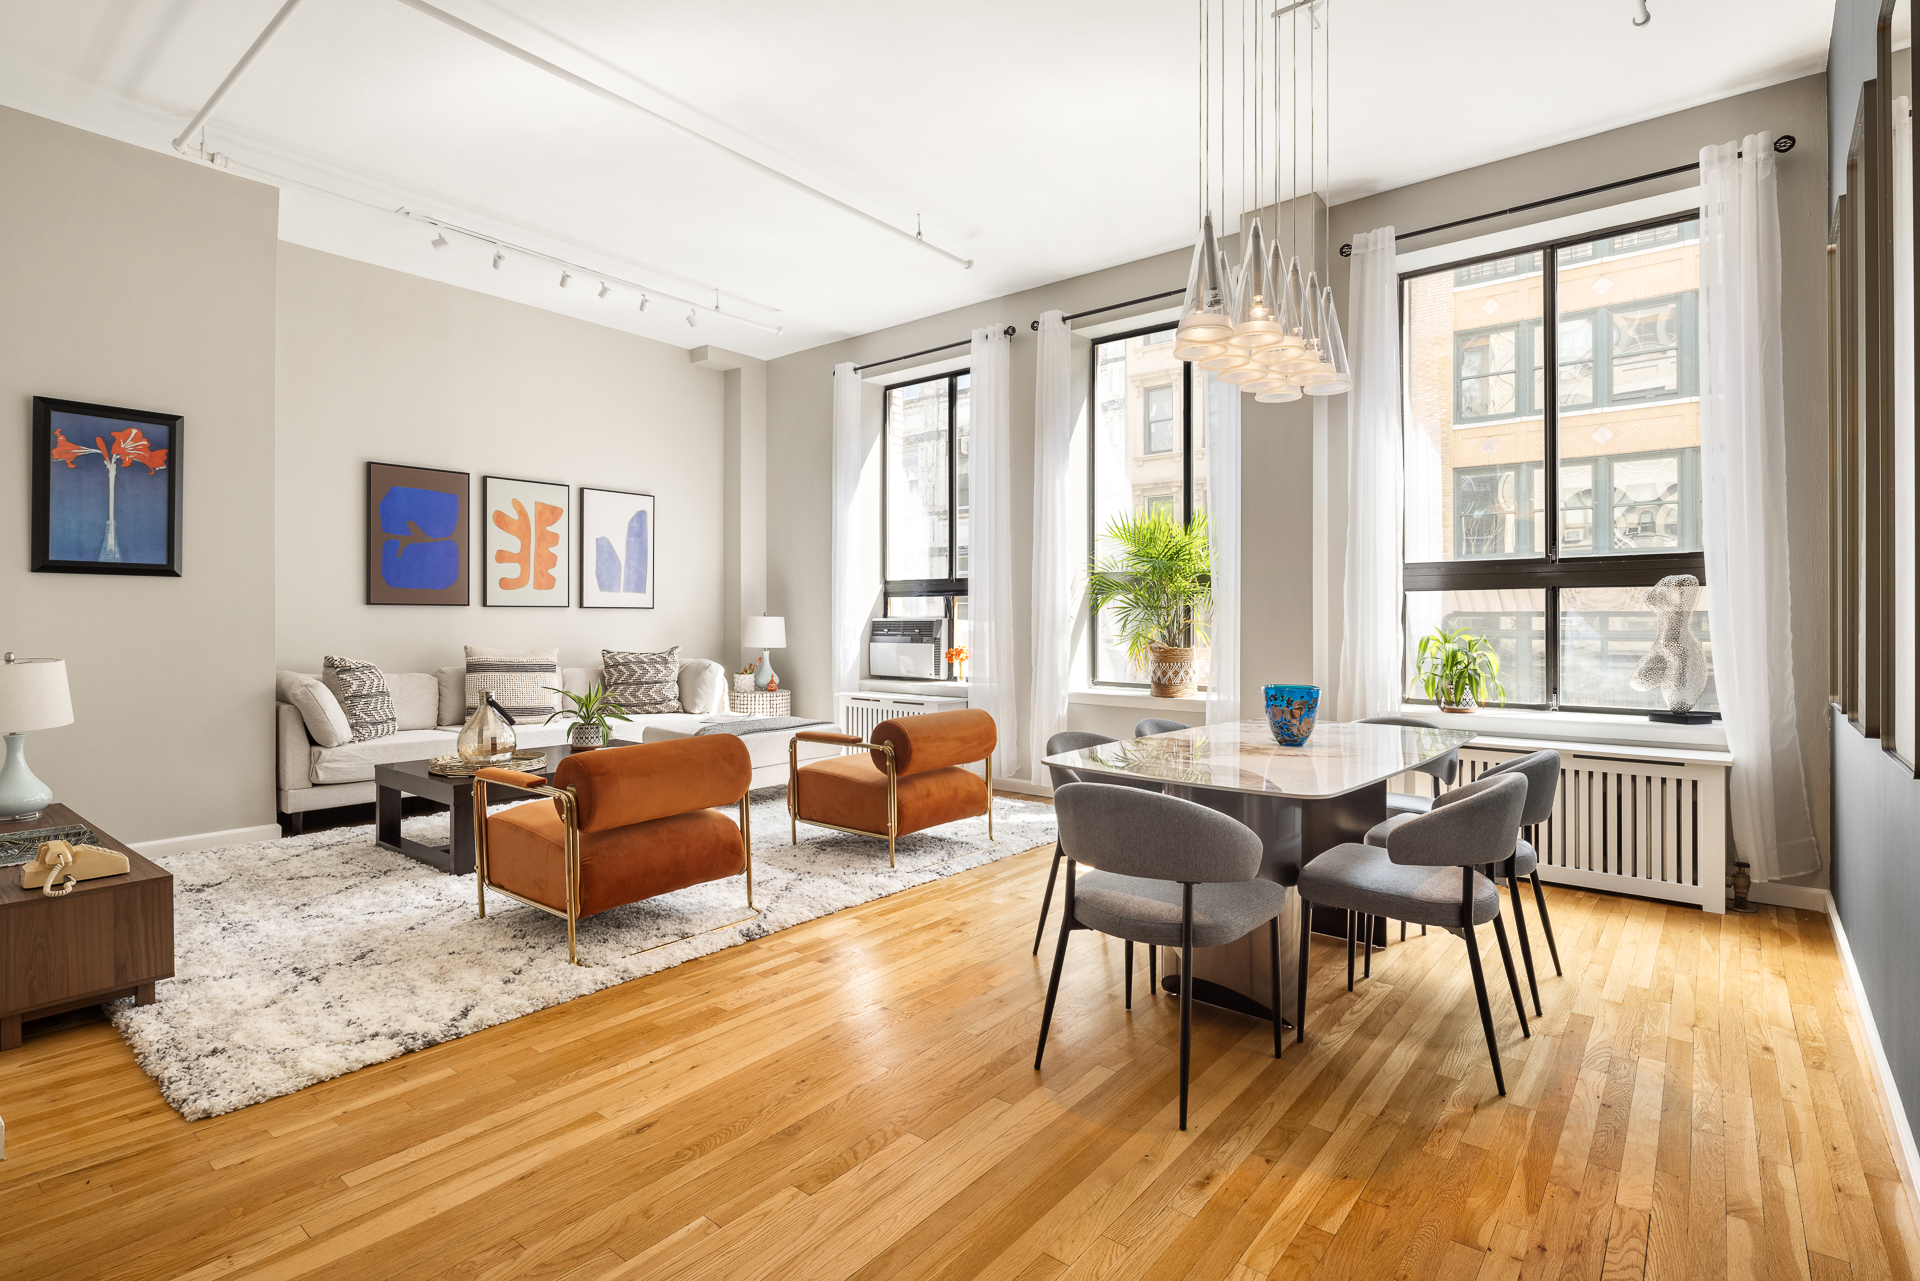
(300,959)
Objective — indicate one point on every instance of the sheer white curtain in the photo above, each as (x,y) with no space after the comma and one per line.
(1368,683)
(852,585)
(989,541)
(1220,423)
(1743,481)
(1054,601)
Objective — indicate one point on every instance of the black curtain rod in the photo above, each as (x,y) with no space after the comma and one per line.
(1009,332)
(1115,306)
(1783,143)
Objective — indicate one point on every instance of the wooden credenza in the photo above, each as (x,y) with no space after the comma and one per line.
(109,938)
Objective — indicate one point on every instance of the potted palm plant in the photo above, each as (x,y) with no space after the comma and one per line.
(1458,670)
(593,713)
(1156,576)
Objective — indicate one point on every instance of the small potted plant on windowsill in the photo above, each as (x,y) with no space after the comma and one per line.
(593,713)
(1157,577)
(1458,670)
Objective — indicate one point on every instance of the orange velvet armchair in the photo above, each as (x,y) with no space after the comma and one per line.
(624,824)
(910,778)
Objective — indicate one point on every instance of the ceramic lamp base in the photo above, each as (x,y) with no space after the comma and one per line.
(763,673)
(22,796)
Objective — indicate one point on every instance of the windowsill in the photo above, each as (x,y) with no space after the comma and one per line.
(932,689)
(1576,727)
(1136,698)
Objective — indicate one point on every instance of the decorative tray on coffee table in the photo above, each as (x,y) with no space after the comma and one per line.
(24,847)
(531,761)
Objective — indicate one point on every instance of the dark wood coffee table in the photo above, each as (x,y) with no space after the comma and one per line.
(111,937)
(411,778)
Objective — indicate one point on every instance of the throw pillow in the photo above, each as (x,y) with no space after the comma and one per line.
(643,684)
(522,681)
(326,723)
(362,691)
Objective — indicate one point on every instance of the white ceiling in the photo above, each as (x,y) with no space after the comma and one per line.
(1041,138)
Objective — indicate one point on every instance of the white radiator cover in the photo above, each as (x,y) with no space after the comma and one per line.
(1626,821)
(859,713)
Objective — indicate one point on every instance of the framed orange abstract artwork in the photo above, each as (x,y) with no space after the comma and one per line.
(525,543)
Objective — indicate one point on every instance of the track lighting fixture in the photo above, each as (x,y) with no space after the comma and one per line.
(644,300)
(692,318)
(564,278)
(439,240)
(498,258)
(605,289)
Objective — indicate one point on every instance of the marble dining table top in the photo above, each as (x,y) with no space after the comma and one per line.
(1338,758)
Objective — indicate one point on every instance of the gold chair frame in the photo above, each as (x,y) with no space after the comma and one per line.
(893,788)
(570,825)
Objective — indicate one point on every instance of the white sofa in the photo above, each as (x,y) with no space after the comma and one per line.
(430,707)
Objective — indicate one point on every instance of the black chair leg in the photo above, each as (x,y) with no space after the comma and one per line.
(1513,979)
(1546,922)
(1186,998)
(1046,900)
(1366,923)
(1352,918)
(1129,943)
(1403,931)
(1300,979)
(1486,1010)
(1059,962)
(1526,947)
(1153,970)
(1273,939)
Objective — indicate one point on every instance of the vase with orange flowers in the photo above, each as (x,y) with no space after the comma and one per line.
(958,656)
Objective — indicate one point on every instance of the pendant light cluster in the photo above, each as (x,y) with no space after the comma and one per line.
(1268,325)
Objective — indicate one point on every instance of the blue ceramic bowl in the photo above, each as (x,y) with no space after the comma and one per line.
(1290,712)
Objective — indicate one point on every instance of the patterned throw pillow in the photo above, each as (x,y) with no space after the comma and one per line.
(361,689)
(522,681)
(643,684)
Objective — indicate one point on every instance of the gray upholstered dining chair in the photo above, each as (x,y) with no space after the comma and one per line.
(1168,873)
(1074,740)
(1153,725)
(1412,879)
(1444,770)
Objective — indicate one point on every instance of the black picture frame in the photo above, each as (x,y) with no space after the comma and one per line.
(458,590)
(491,596)
(591,595)
(47,431)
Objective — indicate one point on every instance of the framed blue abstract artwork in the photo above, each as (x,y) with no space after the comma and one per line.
(618,539)
(106,489)
(419,523)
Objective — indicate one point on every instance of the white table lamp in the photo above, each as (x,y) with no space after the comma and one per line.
(764,632)
(33,695)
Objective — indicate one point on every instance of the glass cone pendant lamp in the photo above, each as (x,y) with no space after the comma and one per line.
(1203,312)
(1229,357)
(1340,372)
(1256,325)
(1291,355)
(1319,371)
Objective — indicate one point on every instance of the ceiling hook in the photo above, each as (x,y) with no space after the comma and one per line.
(1644,17)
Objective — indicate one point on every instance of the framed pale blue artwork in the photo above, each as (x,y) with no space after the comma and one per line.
(106,489)
(418,530)
(618,541)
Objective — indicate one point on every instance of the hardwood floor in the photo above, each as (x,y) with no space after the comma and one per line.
(854,1098)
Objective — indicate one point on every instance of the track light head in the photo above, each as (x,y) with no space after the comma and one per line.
(644,300)
(439,240)
(498,258)
(564,278)
(692,318)
(605,289)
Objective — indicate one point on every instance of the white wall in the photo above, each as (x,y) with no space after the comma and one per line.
(377,365)
(137,280)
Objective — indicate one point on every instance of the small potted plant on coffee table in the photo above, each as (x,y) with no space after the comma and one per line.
(593,713)
(1458,670)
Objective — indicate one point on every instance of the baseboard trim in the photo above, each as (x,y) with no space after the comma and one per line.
(1808,898)
(208,840)
(1892,1114)
(1023,787)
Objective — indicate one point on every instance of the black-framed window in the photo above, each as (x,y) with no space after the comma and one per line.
(1142,452)
(925,447)
(1553,472)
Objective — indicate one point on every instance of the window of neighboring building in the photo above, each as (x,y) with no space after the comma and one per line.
(1144,453)
(924,447)
(1551,477)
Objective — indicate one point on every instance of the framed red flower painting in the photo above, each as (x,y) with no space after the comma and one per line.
(106,489)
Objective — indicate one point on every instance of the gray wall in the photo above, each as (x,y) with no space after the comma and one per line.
(137,280)
(378,365)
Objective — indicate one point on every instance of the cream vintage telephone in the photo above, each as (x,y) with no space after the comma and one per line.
(60,866)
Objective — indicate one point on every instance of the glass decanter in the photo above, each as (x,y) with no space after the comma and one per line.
(487,738)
